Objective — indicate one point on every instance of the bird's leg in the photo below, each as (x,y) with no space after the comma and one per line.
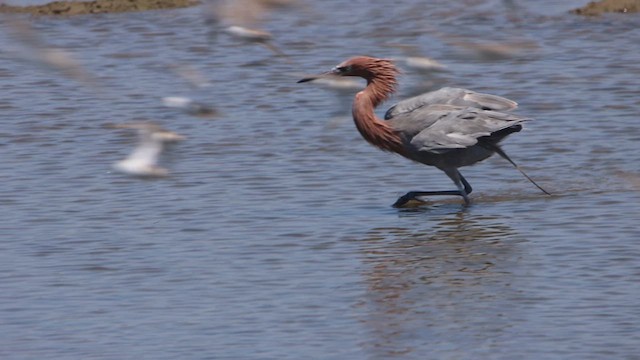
(461,183)
(463,186)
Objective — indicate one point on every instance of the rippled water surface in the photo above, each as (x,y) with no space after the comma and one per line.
(274,237)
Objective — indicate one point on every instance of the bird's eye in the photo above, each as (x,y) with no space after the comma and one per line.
(343,69)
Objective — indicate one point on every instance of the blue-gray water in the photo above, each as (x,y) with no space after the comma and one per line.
(274,238)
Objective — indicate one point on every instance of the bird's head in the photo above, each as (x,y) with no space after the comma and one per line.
(363,66)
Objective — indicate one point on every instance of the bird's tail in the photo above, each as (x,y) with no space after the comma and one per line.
(499,151)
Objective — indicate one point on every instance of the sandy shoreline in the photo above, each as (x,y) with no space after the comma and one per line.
(115,6)
(607,6)
(97,7)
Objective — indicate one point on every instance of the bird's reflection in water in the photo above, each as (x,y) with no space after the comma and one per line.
(447,284)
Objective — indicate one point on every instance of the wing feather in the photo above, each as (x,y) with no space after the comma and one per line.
(453,127)
(451,96)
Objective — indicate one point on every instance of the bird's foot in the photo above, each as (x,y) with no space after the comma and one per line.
(410,199)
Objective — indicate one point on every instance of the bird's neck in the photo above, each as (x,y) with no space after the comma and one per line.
(376,131)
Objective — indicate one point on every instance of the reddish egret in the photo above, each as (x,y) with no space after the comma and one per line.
(448,128)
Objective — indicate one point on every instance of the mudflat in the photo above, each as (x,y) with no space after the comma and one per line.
(97,6)
(595,8)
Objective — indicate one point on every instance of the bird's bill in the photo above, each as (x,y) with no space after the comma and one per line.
(328,74)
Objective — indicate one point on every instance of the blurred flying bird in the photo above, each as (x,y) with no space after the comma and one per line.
(491,50)
(412,59)
(143,161)
(241,19)
(191,75)
(188,105)
(423,64)
(254,36)
(448,128)
(245,12)
(35,50)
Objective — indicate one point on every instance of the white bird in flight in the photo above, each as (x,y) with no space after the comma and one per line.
(143,161)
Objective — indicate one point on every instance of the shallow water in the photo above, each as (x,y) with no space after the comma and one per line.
(274,238)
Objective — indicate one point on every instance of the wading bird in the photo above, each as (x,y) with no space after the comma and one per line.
(448,128)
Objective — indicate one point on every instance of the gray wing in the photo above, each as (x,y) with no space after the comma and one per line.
(445,127)
(452,96)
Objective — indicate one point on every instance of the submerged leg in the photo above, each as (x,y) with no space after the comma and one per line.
(461,183)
